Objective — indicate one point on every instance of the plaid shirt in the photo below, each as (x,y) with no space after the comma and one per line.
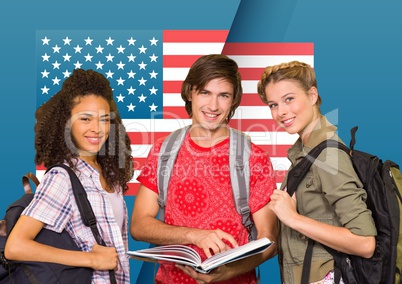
(54,205)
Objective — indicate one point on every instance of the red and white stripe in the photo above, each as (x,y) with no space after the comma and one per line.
(180,50)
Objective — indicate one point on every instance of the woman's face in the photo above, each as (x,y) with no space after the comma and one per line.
(291,107)
(90,124)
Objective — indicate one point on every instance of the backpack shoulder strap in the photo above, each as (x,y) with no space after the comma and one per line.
(167,156)
(240,146)
(26,182)
(80,195)
(85,208)
(296,174)
(239,154)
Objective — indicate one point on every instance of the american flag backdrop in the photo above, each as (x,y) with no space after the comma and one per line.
(146,68)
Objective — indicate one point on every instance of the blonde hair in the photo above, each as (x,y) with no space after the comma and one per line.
(299,72)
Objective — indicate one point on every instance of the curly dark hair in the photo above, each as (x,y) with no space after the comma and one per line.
(52,124)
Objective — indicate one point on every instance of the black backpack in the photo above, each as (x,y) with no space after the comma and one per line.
(44,272)
(383,184)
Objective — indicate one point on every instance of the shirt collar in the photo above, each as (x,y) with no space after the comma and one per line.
(85,169)
(322,130)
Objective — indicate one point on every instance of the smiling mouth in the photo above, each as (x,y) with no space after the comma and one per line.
(287,122)
(94,140)
(210,115)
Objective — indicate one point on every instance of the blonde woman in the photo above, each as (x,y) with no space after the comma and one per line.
(328,206)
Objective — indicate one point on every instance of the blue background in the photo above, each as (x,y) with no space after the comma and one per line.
(358,63)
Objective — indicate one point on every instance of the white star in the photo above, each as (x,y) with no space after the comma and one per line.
(153,41)
(77,65)
(56,81)
(45,74)
(56,65)
(109,41)
(45,41)
(120,98)
(109,58)
(153,74)
(78,49)
(131,57)
(66,73)
(45,90)
(153,107)
(99,49)
(131,74)
(88,57)
(67,57)
(56,49)
(153,90)
(67,40)
(120,81)
(131,91)
(99,65)
(45,57)
(131,41)
(142,81)
(142,49)
(153,58)
(142,98)
(142,65)
(120,49)
(131,107)
(109,74)
(120,65)
(88,41)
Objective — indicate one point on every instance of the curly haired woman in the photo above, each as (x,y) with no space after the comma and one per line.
(79,126)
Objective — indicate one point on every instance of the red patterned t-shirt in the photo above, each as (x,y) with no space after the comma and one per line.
(200,196)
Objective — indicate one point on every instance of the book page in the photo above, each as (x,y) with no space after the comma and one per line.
(187,256)
(176,253)
(246,250)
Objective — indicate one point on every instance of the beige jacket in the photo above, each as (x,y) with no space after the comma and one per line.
(331,193)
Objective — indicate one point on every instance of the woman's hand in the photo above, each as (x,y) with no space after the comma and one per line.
(283,206)
(104,258)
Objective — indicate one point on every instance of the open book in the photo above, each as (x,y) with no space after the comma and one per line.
(187,256)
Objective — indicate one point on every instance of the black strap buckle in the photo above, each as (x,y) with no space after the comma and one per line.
(4,261)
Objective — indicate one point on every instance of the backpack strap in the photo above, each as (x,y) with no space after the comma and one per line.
(239,153)
(25,182)
(297,173)
(87,214)
(307,262)
(295,176)
(167,156)
(239,166)
(30,275)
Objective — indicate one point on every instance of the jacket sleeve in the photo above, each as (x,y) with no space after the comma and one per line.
(344,191)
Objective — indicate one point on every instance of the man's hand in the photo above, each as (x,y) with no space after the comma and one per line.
(201,278)
(212,242)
